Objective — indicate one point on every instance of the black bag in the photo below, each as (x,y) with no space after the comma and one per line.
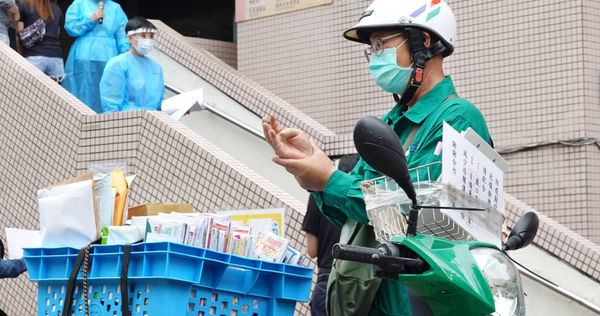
(33,34)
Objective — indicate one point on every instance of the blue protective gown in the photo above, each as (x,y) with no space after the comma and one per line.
(94,45)
(131,83)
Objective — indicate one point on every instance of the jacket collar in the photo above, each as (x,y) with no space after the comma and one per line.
(424,106)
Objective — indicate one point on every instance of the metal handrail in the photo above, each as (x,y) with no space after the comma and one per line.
(564,292)
(222,114)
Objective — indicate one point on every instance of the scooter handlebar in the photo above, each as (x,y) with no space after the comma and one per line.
(355,253)
(384,256)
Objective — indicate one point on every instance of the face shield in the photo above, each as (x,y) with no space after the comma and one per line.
(142,40)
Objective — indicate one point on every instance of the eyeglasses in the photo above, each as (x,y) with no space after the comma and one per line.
(376,47)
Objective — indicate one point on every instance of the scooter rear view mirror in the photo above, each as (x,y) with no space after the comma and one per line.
(523,232)
(380,147)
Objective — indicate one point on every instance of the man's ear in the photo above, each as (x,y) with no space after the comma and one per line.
(426,39)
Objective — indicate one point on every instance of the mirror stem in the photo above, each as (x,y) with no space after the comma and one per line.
(413,216)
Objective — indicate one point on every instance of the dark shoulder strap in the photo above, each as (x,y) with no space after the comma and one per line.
(355,232)
(411,137)
(450,97)
(416,127)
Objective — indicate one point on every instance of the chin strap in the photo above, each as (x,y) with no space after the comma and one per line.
(419,54)
(396,98)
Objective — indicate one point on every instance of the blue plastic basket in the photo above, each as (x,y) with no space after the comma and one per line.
(168,279)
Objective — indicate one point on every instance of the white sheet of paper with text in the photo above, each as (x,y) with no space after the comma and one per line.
(469,170)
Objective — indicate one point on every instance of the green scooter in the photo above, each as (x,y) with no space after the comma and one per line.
(443,277)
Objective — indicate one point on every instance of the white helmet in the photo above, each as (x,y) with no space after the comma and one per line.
(432,16)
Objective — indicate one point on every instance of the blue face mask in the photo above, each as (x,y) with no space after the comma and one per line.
(144,46)
(387,74)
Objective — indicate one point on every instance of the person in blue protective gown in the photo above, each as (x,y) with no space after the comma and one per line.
(99,28)
(133,81)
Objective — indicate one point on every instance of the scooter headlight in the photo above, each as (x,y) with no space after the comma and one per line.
(503,279)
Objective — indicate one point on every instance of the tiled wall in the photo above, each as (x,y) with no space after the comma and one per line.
(509,55)
(48,136)
(236,85)
(226,51)
(558,239)
(39,129)
(537,80)
(302,57)
(562,182)
(591,69)
(532,67)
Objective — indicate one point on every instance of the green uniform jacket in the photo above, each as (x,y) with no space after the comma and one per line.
(342,197)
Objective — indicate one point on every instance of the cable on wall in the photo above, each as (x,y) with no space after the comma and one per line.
(580,141)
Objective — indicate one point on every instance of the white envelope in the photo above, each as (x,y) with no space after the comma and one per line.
(178,105)
(67,217)
(17,239)
(106,199)
(105,193)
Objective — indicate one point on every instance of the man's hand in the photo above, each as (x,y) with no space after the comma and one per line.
(312,172)
(289,143)
(302,158)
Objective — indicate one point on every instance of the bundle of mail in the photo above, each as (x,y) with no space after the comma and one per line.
(92,208)
(256,237)
(74,212)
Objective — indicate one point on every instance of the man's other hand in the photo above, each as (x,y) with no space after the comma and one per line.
(311,172)
(288,143)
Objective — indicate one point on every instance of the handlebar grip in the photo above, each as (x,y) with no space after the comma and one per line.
(355,253)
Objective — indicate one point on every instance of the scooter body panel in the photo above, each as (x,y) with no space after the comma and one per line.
(454,284)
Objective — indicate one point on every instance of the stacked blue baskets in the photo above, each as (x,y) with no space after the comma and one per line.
(168,279)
